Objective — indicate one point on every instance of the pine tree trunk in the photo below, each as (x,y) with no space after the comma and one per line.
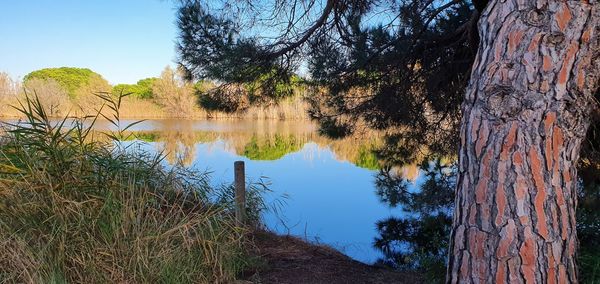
(525,115)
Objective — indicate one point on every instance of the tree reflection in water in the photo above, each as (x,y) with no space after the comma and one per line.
(419,239)
(179,147)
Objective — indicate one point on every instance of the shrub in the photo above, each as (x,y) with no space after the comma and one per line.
(52,96)
(174,94)
(228,98)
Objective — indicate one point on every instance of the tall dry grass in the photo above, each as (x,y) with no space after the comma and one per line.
(294,108)
(77,209)
(289,109)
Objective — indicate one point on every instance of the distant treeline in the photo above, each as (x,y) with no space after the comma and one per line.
(68,90)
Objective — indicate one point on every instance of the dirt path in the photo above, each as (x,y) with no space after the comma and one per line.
(294,261)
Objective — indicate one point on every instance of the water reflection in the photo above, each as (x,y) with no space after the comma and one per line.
(341,192)
(330,183)
(418,239)
(405,224)
(259,140)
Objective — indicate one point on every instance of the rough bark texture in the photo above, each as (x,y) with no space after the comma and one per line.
(525,114)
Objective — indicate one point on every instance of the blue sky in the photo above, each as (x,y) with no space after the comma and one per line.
(123,40)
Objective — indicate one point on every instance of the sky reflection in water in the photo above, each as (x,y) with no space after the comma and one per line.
(329,184)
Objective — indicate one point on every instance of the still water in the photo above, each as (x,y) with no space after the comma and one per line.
(329,184)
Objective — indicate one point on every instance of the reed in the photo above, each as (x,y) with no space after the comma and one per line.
(74,208)
(293,108)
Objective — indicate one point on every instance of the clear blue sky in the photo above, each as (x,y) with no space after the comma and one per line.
(123,40)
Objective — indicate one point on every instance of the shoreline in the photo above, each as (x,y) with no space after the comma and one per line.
(290,259)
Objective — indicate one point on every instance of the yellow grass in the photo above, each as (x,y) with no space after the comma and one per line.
(132,108)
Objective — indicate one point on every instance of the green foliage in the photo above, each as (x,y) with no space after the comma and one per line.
(367,158)
(145,88)
(74,80)
(229,61)
(142,89)
(268,150)
(125,89)
(75,209)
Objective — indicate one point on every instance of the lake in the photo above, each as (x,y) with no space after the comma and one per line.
(327,185)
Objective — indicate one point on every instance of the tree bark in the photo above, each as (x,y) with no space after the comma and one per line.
(525,115)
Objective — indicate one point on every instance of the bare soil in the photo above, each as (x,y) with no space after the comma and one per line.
(292,260)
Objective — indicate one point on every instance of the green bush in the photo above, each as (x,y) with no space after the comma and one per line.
(142,89)
(76,81)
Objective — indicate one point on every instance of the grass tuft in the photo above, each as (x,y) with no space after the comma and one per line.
(74,208)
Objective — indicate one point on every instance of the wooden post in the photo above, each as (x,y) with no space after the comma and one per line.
(240,191)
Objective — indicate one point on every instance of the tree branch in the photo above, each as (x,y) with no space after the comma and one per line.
(307,34)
